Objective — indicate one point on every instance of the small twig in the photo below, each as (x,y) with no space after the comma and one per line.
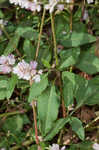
(54,39)
(93,121)
(40,34)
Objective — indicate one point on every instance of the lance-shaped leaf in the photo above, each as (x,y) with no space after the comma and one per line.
(48,104)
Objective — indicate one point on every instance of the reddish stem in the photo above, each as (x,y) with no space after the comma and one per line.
(35,123)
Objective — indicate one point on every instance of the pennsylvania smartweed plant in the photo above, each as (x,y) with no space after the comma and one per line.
(49,74)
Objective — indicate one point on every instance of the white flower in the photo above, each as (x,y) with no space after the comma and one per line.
(95,146)
(36,78)
(89,1)
(51,5)
(56,147)
(40,72)
(68,1)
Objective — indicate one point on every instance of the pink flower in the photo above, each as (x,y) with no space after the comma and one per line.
(5,69)
(29,5)
(33,64)
(27,71)
(6,63)
(22,70)
(8,60)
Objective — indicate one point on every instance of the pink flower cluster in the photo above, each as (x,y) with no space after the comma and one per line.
(6,63)
(35,5)
(29,5)
(24,70)
(27,71)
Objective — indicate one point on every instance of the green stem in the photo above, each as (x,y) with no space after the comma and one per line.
(5,32)
(54,39)
(11,113)
(40,34)
(26,143)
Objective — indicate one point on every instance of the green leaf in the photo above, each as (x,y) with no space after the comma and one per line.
(46,63)
(86,145)
(37,88)
(88,62)
(15,124)
(12,45)
(11,85)
(76,39)
(56,128)
(61,25)
(28,50)
(85,92)
(27,32)
(73,86)
(68,92)
(2,94)
(77,127)
(93,91)
(3,84)
(69,57)
(1,14)
(48,104)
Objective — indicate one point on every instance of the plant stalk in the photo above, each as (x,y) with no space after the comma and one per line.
(40,34)
(54,39)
